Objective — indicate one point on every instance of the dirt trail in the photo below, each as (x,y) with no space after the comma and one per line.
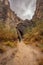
(26,55)
(7,56)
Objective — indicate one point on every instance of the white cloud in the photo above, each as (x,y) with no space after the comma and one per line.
(24,8)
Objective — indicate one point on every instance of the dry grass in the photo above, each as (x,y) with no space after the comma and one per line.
(8,37)
(35,37)
(10,43)
(4,45)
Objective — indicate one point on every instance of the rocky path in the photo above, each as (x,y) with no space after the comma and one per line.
(26,55)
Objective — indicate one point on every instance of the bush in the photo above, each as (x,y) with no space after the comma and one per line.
(10,43)
(35,35)
(7,34)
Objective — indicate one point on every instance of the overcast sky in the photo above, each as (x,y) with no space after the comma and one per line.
(23,8)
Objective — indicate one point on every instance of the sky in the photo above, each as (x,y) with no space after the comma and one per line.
(23,8)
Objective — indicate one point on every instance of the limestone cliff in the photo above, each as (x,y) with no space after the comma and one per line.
(39,10)
(6,14)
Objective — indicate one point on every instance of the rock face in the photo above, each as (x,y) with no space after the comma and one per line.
(6,14)
(26,24)
(39,10)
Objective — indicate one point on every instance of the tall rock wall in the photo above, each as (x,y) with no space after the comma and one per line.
(39,10)
(6,14)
